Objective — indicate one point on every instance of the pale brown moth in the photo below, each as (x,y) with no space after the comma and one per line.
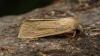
(35,28)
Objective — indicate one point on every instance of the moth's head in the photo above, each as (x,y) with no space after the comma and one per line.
(80,28)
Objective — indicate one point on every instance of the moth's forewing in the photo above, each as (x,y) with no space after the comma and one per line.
(41,28)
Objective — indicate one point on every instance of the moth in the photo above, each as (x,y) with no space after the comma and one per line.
(35,28)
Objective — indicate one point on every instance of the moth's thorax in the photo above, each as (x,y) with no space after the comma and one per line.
(72,23)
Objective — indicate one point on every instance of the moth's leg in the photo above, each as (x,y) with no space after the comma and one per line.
(74,33)
(70,38)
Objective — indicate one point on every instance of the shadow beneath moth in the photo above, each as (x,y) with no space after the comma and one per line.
(35,28)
